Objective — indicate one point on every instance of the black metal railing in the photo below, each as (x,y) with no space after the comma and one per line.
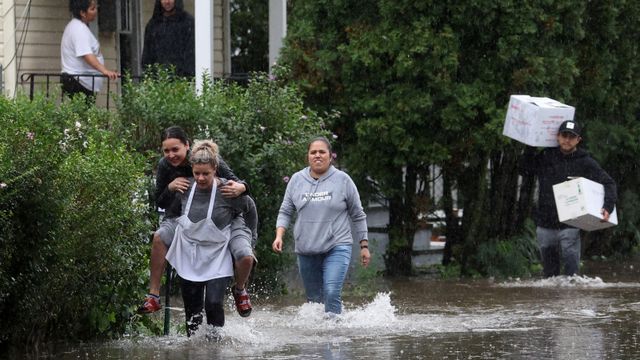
(48,80)
(45,80)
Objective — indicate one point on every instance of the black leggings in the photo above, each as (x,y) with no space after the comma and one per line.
(207,294)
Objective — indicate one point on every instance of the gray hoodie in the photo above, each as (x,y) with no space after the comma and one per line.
(325,210)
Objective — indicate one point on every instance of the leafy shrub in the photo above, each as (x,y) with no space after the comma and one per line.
(510,257)
(73,216)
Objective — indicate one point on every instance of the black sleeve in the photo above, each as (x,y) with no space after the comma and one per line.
(190,51)
(597,174)
(224,171)
(148,56)
(164,197)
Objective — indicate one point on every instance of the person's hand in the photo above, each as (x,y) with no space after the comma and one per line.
(232,189)
(277,245)
(180,184)
(605,215)
(365,257)
(112,75)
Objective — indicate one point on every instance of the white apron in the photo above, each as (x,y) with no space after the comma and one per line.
(199,250)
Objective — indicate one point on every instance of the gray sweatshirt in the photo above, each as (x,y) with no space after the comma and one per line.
(325,210)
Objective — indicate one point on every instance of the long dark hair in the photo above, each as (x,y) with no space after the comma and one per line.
(174,132)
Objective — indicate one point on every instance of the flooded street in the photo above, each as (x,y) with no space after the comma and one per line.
(590,317)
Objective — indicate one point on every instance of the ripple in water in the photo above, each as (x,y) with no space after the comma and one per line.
(575,281)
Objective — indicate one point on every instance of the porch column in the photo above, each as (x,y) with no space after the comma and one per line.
(9,61)
(204,40)
(277,28)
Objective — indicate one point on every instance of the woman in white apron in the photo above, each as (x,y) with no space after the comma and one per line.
(199,250)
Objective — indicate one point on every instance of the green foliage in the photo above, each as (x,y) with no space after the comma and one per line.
(73,219)
(424,83)
(510,257)
(154,103)
(249,36)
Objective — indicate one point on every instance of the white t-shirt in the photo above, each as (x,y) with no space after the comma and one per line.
(77,41)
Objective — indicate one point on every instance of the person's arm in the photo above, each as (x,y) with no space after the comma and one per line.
(167,185)
(92,60)
(287,209)
(358,219)
(148,50)
(190,53)
(597,174)
(234,187)
(277,243)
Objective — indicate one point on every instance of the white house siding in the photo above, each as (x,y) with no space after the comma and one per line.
(7,22)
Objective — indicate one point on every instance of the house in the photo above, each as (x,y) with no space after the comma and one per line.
(31,30)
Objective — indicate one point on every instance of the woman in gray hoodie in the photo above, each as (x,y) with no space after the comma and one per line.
(327,204)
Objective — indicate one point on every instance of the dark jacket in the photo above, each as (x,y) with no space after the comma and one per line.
(170,40)
(552,167)
(166,173)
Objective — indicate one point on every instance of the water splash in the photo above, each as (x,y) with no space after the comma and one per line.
(575,281)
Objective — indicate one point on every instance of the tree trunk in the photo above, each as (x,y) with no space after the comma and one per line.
(453,231)
(402,224)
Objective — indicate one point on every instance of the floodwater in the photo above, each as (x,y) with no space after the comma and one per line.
(596,316)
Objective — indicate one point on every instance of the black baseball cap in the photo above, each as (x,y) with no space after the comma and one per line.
(570,126)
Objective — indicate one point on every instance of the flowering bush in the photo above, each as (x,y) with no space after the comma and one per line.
(71,223)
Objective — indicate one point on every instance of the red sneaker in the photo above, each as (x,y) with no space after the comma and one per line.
(243,304)
(151,304)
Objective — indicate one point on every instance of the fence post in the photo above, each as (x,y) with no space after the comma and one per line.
(167,301)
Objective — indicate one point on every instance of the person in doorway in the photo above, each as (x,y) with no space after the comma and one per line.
(172,179)
(80,52)
(327,204)
(209,224)
(169,38)
(552,166)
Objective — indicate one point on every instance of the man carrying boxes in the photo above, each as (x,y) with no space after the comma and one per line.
(555,165)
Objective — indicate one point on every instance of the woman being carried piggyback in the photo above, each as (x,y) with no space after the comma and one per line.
(205,231)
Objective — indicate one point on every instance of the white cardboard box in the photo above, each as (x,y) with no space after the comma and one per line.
(579,202)
(535,120)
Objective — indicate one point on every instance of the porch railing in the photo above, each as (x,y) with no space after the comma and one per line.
(46,81)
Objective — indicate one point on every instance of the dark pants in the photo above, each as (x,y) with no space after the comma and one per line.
(208,295)
(556,246)
(71,86)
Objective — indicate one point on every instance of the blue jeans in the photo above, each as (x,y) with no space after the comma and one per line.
(555,243)
(323,276)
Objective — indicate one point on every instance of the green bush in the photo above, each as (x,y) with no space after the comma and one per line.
(513,257)
(73,217)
